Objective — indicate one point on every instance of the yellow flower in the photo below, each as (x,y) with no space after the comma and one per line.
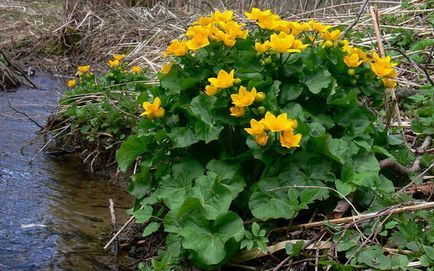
(262,139)
(331,36)
(289,140)
(237,112)
(198,30)
(197,42)
(204,21)
(282,26)
(177,48)
(166,68)
(135,69)
(71,83)
(282,43)
(279,123)
(223,80)
(389,83)
(113,63)
(298,45)
(256,127)
(382,67)
(352,60)
(257,14)
(269,23)
(234,29)
(83,69)
(319,27)
(153,110)
(262,47)
(244,98)
(119,57)
(211,90)
(229,41)
(223,16)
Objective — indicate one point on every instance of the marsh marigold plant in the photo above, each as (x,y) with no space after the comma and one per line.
(239,116)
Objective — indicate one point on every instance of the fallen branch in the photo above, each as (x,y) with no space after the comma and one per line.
(248,255)
(360,218)
(415,167)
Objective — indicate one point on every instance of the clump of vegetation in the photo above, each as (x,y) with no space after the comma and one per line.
(98,112)
(261,124)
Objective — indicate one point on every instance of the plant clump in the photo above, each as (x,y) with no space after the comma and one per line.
(255,123)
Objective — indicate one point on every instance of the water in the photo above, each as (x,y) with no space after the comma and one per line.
(53,215)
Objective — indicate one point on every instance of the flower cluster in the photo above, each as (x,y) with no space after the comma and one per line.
(281,125)
(281,43)
(220,26)
(381,66)
(116,61)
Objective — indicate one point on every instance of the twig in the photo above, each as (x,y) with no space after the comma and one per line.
(119,231)
(360,218)
(113,217)
(416,65)
(24,114)
(362,9)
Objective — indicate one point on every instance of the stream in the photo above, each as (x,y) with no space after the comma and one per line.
(53,215)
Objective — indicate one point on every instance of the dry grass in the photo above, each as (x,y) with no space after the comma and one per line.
(74,32)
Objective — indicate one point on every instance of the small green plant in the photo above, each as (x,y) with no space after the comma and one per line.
(256,238)
(421,108)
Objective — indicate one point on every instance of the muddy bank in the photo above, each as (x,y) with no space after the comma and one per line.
(54,214)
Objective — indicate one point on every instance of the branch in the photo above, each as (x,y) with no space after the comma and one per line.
(362,9)
(402,170)
(360,218)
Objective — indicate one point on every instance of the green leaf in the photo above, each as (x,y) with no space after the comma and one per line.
(429,252)
(425,261)
(130,149)
(151,228)
(207,132)
(317,79)
(140,183)
(214,197)
(265,204)
(373,257)
(206,127)
(175,188)
(294,250)
(183,137)
(337,149)
(207,240)
(223,169)
(290,91)
(173,243)
(309,195)
(344,188)
(383,151)
(143,214)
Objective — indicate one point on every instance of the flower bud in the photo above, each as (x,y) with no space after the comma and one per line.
(259,97)
(351,72)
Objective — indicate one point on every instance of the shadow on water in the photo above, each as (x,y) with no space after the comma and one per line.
(53,215)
